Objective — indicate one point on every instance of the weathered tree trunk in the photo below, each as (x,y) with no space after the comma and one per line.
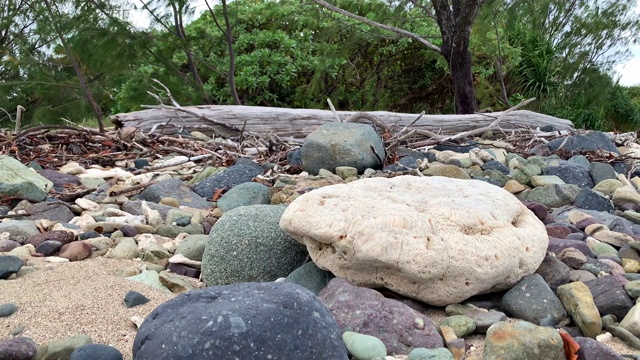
(298,123)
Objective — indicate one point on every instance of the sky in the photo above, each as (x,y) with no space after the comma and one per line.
(628,70)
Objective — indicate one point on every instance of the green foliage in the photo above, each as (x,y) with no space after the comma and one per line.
(297,54)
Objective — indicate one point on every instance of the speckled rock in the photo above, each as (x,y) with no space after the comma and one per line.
(246,244)
(366,311)
(224,322)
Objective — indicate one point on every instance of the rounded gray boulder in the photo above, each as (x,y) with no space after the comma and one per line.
(247,321)
(342,144)
(246,244)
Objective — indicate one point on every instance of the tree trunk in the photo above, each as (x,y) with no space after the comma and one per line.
(180,33)
(84,85)
(298,123)
(232,55)
(462,77)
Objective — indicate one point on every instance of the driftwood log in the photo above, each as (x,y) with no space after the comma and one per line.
(298,123)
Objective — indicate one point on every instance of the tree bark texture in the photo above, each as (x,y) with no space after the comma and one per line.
(298,123)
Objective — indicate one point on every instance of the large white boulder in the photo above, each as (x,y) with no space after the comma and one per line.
(435,239)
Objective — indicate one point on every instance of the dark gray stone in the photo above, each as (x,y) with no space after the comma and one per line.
(589,199)
(404,164)
(532,300)
(610,297)
(176,189)
(554,272)
(495,165)
(90,235)
(591,349)
(570,173)
(134,298)
(18,348)
(294,157)
(310,276)
(96,352)
(592,141)
(247,244)
(49,247)
(580,160)
(368,312)
(56,212)
(342,144)
(601,171)
(140,163)
(248,321)
(7,310)
(9,265)
(235,175)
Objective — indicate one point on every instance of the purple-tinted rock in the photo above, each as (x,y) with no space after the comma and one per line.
(49,247)
(558,231)
(60,179)
(19,348)
(89,235)
(628,206)
(539,210)
(557,245)
(368,312)
(582,224)
(609,296)
(184,270)
(591,349)
(128,231)
(8,245)
(628,252)
(62,236)
(554,272)
(76,251)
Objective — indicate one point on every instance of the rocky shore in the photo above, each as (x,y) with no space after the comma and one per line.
(456,252)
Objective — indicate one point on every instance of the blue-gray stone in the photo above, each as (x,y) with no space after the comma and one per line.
(247,244)
(7,310)
(176,189)
(430,354)
(140,163)
(580,160)
(250,193)
(9,265)
(242,321)
(310,276)
(602,171)
(532,300)
(96,352)
(342,144)
(134,298)
(593,141)
(570,173)
(237,174)
(495,165)
(589,199)
(294,157)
